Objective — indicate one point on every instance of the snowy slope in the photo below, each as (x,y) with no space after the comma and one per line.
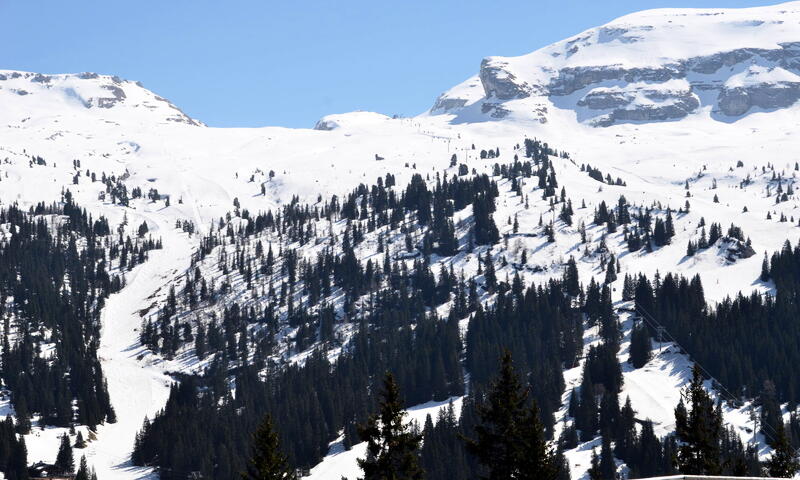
(626,71)
(683,96)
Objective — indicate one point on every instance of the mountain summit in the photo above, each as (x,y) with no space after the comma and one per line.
(88,95)
(656,65)
(164,284)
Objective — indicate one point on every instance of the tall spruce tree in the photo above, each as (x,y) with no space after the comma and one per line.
(608,466)
(392,448)
(83,470)
(65,462)
(267,462)
(699,430)
(783,463)
(17,468)
(640,346)
(510,441)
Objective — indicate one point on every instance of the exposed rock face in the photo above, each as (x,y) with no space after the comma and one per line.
(570,80)
(325,126)
(739,100)
(649,113)
(500,83)
(445,104)
(117,93)
(641,103)
(729,62)
(496,110)
(621,105)
(604,99)
(732,249)
(93,91)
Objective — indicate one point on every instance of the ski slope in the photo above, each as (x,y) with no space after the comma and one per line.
(137,382)
(118,127)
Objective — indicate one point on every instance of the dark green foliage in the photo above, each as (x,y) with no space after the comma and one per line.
(699,429)
(13,454)
(208,432)
(640,346)
(267,461)
(83,470)
(60,287)
(443,456)
(484,231)
(509,441)
(722,338)
(391,447)
(783,463)
(541,329)
(608,466)
(65,462)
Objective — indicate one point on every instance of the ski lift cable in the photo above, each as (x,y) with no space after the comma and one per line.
(653,323)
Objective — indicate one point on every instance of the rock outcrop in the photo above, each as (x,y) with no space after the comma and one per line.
(729,62)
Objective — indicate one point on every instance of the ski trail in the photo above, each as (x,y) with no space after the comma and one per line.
(138,389)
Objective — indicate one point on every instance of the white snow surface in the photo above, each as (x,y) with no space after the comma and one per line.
(341,463)
(137,384)
(204,169)
(757,74)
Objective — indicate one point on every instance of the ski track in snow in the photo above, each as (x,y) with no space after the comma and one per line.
(138,389)
(207,168)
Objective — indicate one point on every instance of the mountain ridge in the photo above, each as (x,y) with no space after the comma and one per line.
(668,152)
(656,65)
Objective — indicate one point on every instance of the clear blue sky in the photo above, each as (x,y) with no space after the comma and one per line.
(265,62)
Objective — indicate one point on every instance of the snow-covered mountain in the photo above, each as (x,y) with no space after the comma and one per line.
(657,65)
(86,96)
(694,106)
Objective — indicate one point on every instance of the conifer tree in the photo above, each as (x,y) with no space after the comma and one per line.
(783,463)
(489,273)
(509,441)
(595,473)
(538,461)
(65,462)
(571,279)
(640,346)
(267,462)
(17,468)
(765,275)
(699,430)
(83,470)
(611,272)
(79,441)
(608,467)
(392,449)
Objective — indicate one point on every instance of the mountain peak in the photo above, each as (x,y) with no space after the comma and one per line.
(655,65)
(87,93)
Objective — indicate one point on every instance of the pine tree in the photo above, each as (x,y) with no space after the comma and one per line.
(563,466)
(267,462)
(571,278)
(65,462)
(509,439)
(783,463)
(489,273)
(391,447)
(699,430)
(79,441)
(640,346)
(608,467)
(537,462)
(765,275)
(595,473)
(611,273)
(17,468)
(83,470)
